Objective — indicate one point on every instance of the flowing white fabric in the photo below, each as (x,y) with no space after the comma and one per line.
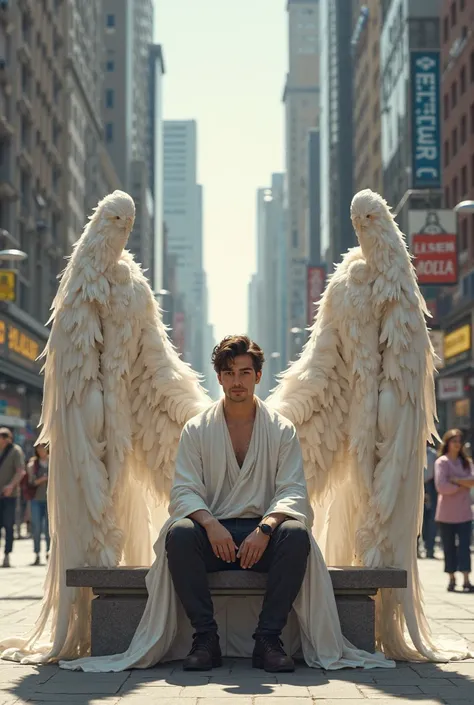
(271,480)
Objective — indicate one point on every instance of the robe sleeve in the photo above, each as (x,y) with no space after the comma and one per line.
(188,493)
(291,493)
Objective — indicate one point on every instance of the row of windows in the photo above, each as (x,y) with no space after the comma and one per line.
(453,93)
(451,18)
(459,187)
(458,137)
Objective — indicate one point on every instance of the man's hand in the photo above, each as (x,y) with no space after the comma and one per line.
(7,491)
(252,548)
(221,541)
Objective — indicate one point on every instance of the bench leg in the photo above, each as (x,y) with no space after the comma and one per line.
(357,617)
(113,623)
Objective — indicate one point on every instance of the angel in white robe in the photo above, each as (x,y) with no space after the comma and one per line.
(117,397)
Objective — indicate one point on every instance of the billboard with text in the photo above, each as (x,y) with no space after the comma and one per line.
(433,244)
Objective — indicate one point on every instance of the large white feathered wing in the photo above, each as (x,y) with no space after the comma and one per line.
(80,511)
(165,393)
(406,421)
(313,393)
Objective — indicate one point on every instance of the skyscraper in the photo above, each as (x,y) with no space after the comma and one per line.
(127,32)
(183,217)
(301,99)
(336,129)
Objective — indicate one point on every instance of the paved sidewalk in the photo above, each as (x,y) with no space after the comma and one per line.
(453,684)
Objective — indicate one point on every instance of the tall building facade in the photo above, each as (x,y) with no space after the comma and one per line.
(408,26)
(268,288)
(301,100)
(336,129)
(365,45)
(127,35)
(455,388)
(33,209)
(183,206)
(157,71)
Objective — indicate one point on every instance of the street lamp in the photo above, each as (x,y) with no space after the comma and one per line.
(464,207)
(13,255)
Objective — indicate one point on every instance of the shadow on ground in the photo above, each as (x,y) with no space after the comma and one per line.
(447,684)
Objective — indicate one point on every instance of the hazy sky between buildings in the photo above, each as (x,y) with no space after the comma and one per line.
(225,67)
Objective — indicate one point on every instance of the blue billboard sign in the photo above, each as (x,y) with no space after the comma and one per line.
(425,118)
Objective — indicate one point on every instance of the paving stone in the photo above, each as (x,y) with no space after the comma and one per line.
(336,689)
(380,691)
(272,700)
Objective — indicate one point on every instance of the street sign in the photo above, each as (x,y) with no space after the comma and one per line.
(7,285)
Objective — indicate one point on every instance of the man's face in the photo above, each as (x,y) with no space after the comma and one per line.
(239,381)
(4,441)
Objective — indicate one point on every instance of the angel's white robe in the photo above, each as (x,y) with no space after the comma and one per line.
(270,480)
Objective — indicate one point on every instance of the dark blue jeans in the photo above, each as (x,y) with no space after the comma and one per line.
(429,511)
(7,520)
(457,554)
(39,523)
(190,558)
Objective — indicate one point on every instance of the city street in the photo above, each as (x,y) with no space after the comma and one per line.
(453,684)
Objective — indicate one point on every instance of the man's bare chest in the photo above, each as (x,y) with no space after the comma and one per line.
(240,437)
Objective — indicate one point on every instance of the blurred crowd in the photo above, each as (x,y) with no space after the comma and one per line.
(23,497)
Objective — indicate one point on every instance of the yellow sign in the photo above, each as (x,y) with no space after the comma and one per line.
(7,285)
(457,342)
(22,344)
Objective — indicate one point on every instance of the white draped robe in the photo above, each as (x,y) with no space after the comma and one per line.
(271,480)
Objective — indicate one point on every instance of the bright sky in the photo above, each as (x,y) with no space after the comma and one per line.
(225,67)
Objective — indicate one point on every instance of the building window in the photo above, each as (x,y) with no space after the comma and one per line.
(472,170)
(109,132)
(110,22)
(463,80)
(454,94)
(472,118)
(462,5)
(454,141)
(109,98)
(446,152)
(446,105)
(446,28)
(110,65)
(464,181)
(453,13)
(463,129)
(472,66)
(446,197)
(455,190)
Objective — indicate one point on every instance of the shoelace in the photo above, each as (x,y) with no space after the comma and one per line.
(272,644)
(202,641)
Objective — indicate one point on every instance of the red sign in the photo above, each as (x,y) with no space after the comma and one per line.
(316,283)
(436,259)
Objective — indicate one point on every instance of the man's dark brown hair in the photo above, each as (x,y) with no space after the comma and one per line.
(229,348)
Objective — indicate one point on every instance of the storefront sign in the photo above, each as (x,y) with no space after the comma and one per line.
(18,345)
(425,118)
(457,343)
(315,285)
(7,285)
(433,243)
(450,388)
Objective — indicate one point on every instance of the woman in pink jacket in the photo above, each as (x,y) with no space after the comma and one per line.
(453,480)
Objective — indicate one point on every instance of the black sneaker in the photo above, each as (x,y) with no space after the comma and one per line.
(270,655)
(205,653)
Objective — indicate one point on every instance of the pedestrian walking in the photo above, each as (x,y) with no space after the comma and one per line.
(12,470)
(38,482)
(431,499)
(453,479)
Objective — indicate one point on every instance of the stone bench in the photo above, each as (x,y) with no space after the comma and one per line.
(121,594)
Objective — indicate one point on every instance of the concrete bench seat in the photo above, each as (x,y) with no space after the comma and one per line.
(121,594)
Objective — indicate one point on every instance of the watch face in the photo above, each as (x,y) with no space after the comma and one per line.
(266,529)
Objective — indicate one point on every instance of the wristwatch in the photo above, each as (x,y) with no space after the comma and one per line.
(266,529)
